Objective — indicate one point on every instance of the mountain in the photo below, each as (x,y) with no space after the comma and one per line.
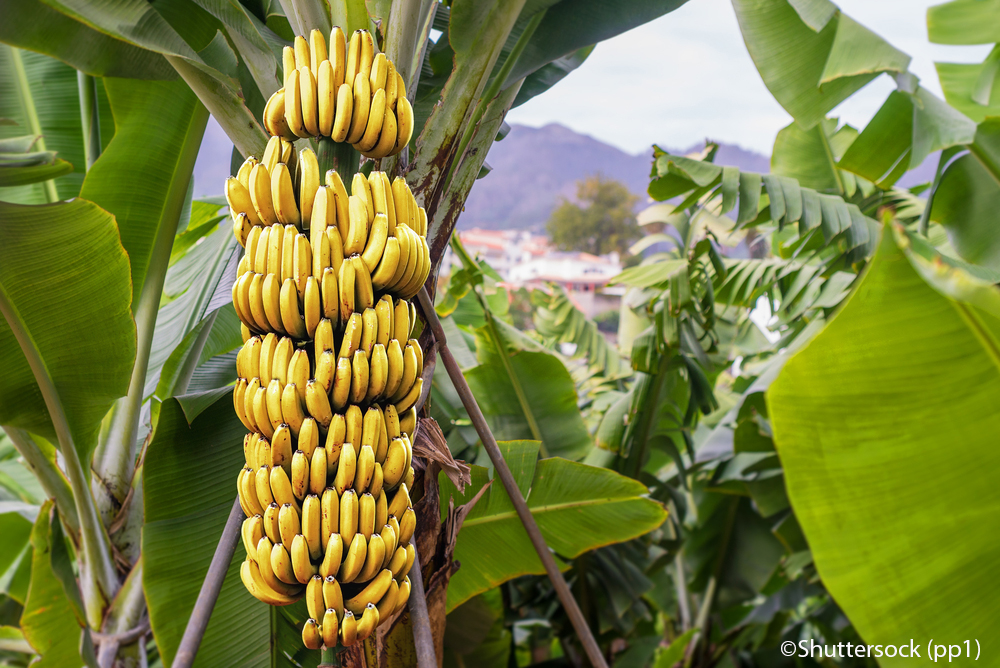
(533,168)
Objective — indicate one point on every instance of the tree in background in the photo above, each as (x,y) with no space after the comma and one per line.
(600,221)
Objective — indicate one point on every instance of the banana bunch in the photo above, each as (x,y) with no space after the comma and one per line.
(346,92)
(329,375)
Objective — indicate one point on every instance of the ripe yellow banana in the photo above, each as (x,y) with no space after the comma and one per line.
(283,193)
(353,56)
(362,107)
(317,471)
(310,110)
(317,54)
(274,116)
(375,487)
(252,531)
(289,524)
(300,474)
(343,115)
(345,284)
(238,197)
(311,523)
(401,198)
(403,596)
(411,397)
(298,372)
(376,117)
(407,524)
(406,256)
(384,316)
(330,515)
(357,233)
(326,365)
(391,86)
(349,507)
(396,366)
(271,294)
(303,567)
(332,556)
(369,330)
(348,629)
(260,248)
(255,298)
(324,338)
(377,240)
(336,248)
(312,306)
(243,175)
(330,291)
(359,376)
(330,627)
(267,347)
(272,401)
(264,547)
(341,393)
(272,527)
(321,216)
(333,597)
(314,598)
(293,105)
(378,373)
(355,426)
(263,488)
(369,620)
(275,245)
(335,438)
(404,124)
(312,636)
(353,331)
(346,467)
(281,450)
(309,178)
(355,559)
(372,593)
(367,55)
(338,54)
(394,467)
(386,143)
(301,47)
(366,516)
(282,359)
(248,397)
(388,533)
(281,488)
(391,422)
(397,562)
(387,265)
(272,153)
(369,427)
(341,197)
(364,291)
(291,318)
(409,377)
(308,440)
(360,187)
(379,71)
(281,564)
(387,605)
(400,502)
(401,322)
(254,582)
(260,194)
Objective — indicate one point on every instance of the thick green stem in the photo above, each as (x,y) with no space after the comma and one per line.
(48,474)
(328,658)
(98,579)
(833,163)
(124,615)
(114,459)
(311,15)
(490,94)
(28,101)
(90,118)
(341,157)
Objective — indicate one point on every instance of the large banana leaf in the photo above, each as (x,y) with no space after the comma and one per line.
(31,24)
(577,507)
(812,61)
(55,94)
(190,476)
(65,274)
(142,177)
(885,425)
(48,621)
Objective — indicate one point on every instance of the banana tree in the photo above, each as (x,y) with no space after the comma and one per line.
(114,415)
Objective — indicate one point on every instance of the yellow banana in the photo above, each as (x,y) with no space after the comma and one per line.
(330,292)
(312,636)
(301,262)
(336,248)
(400,502)
(317,471)
(312,306)
(397,562)
(317,54)
(291,318)
(300,474)
(376,116)
(345,284)
(333,597)
(335,438)
(281,451)
(343,115)
(396,364)
(282,359)
(348,629)
(360,187)
(288,154)
(362,107)
(283,193)
(369,620)
(408,422)
(392,421)
(330,516)
(370,426)
(340,198)
(260,195)
(388,533)
(411,398)
(417,351)
(272,401)
(321,216)
(260,249)
(401,199)
(263,487)
(394,467)
(369,330)
(330,627)
(271,293)
(406,256)
(311,522)
(338,54)
(309,438)
(287,63)
(391,86)
(281,488)
(326,365)
(308,181)
(366,516)
(238,197)
(382,179)
(346,467)
(272,153)
(254,582)
(314,598)
(324,338)
(355,559)
(301,47)
(252,530)
(310,110)
(364,470)
(256,300)
(384,315)
(291,409)
(387,265)
(409,377)
(355,426)
(293,105)
(353,331)
(378,373)
(248,397)
(298,372)
(289,524)
(267,347)
(349,508)
(272,528)
(332,555)
(409,477)
(403,596)
(264,548)
(275,245)
(367,55)
(260,414)
(303,567)
(357,233)
(377,239)
(342,384)
(387,604)
(359,376)
(379,71)
(372,593)
(364,291)
(274,116)
(407,523)
(353,56)
(387,138)
(401,322)
(281,564)
(404,124)
(375,487)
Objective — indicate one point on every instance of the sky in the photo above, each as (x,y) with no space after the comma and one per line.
(687,76)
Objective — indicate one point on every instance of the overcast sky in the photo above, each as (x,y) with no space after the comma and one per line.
(688,76)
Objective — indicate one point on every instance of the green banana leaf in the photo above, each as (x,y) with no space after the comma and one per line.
(65,274)
(32,24)
(190,487)
(55,94)
(48,622)
(810,156)
(577,507)
(876,413)
(16,520)
(963,22)
(143,175)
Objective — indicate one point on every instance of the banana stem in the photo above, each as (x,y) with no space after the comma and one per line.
(339,156)
(114,459)
(328,658)
(311,15)
(49,475)
(833,163)
(90,118)
(28,102)
(98,578)
(401,36)
(495,87)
